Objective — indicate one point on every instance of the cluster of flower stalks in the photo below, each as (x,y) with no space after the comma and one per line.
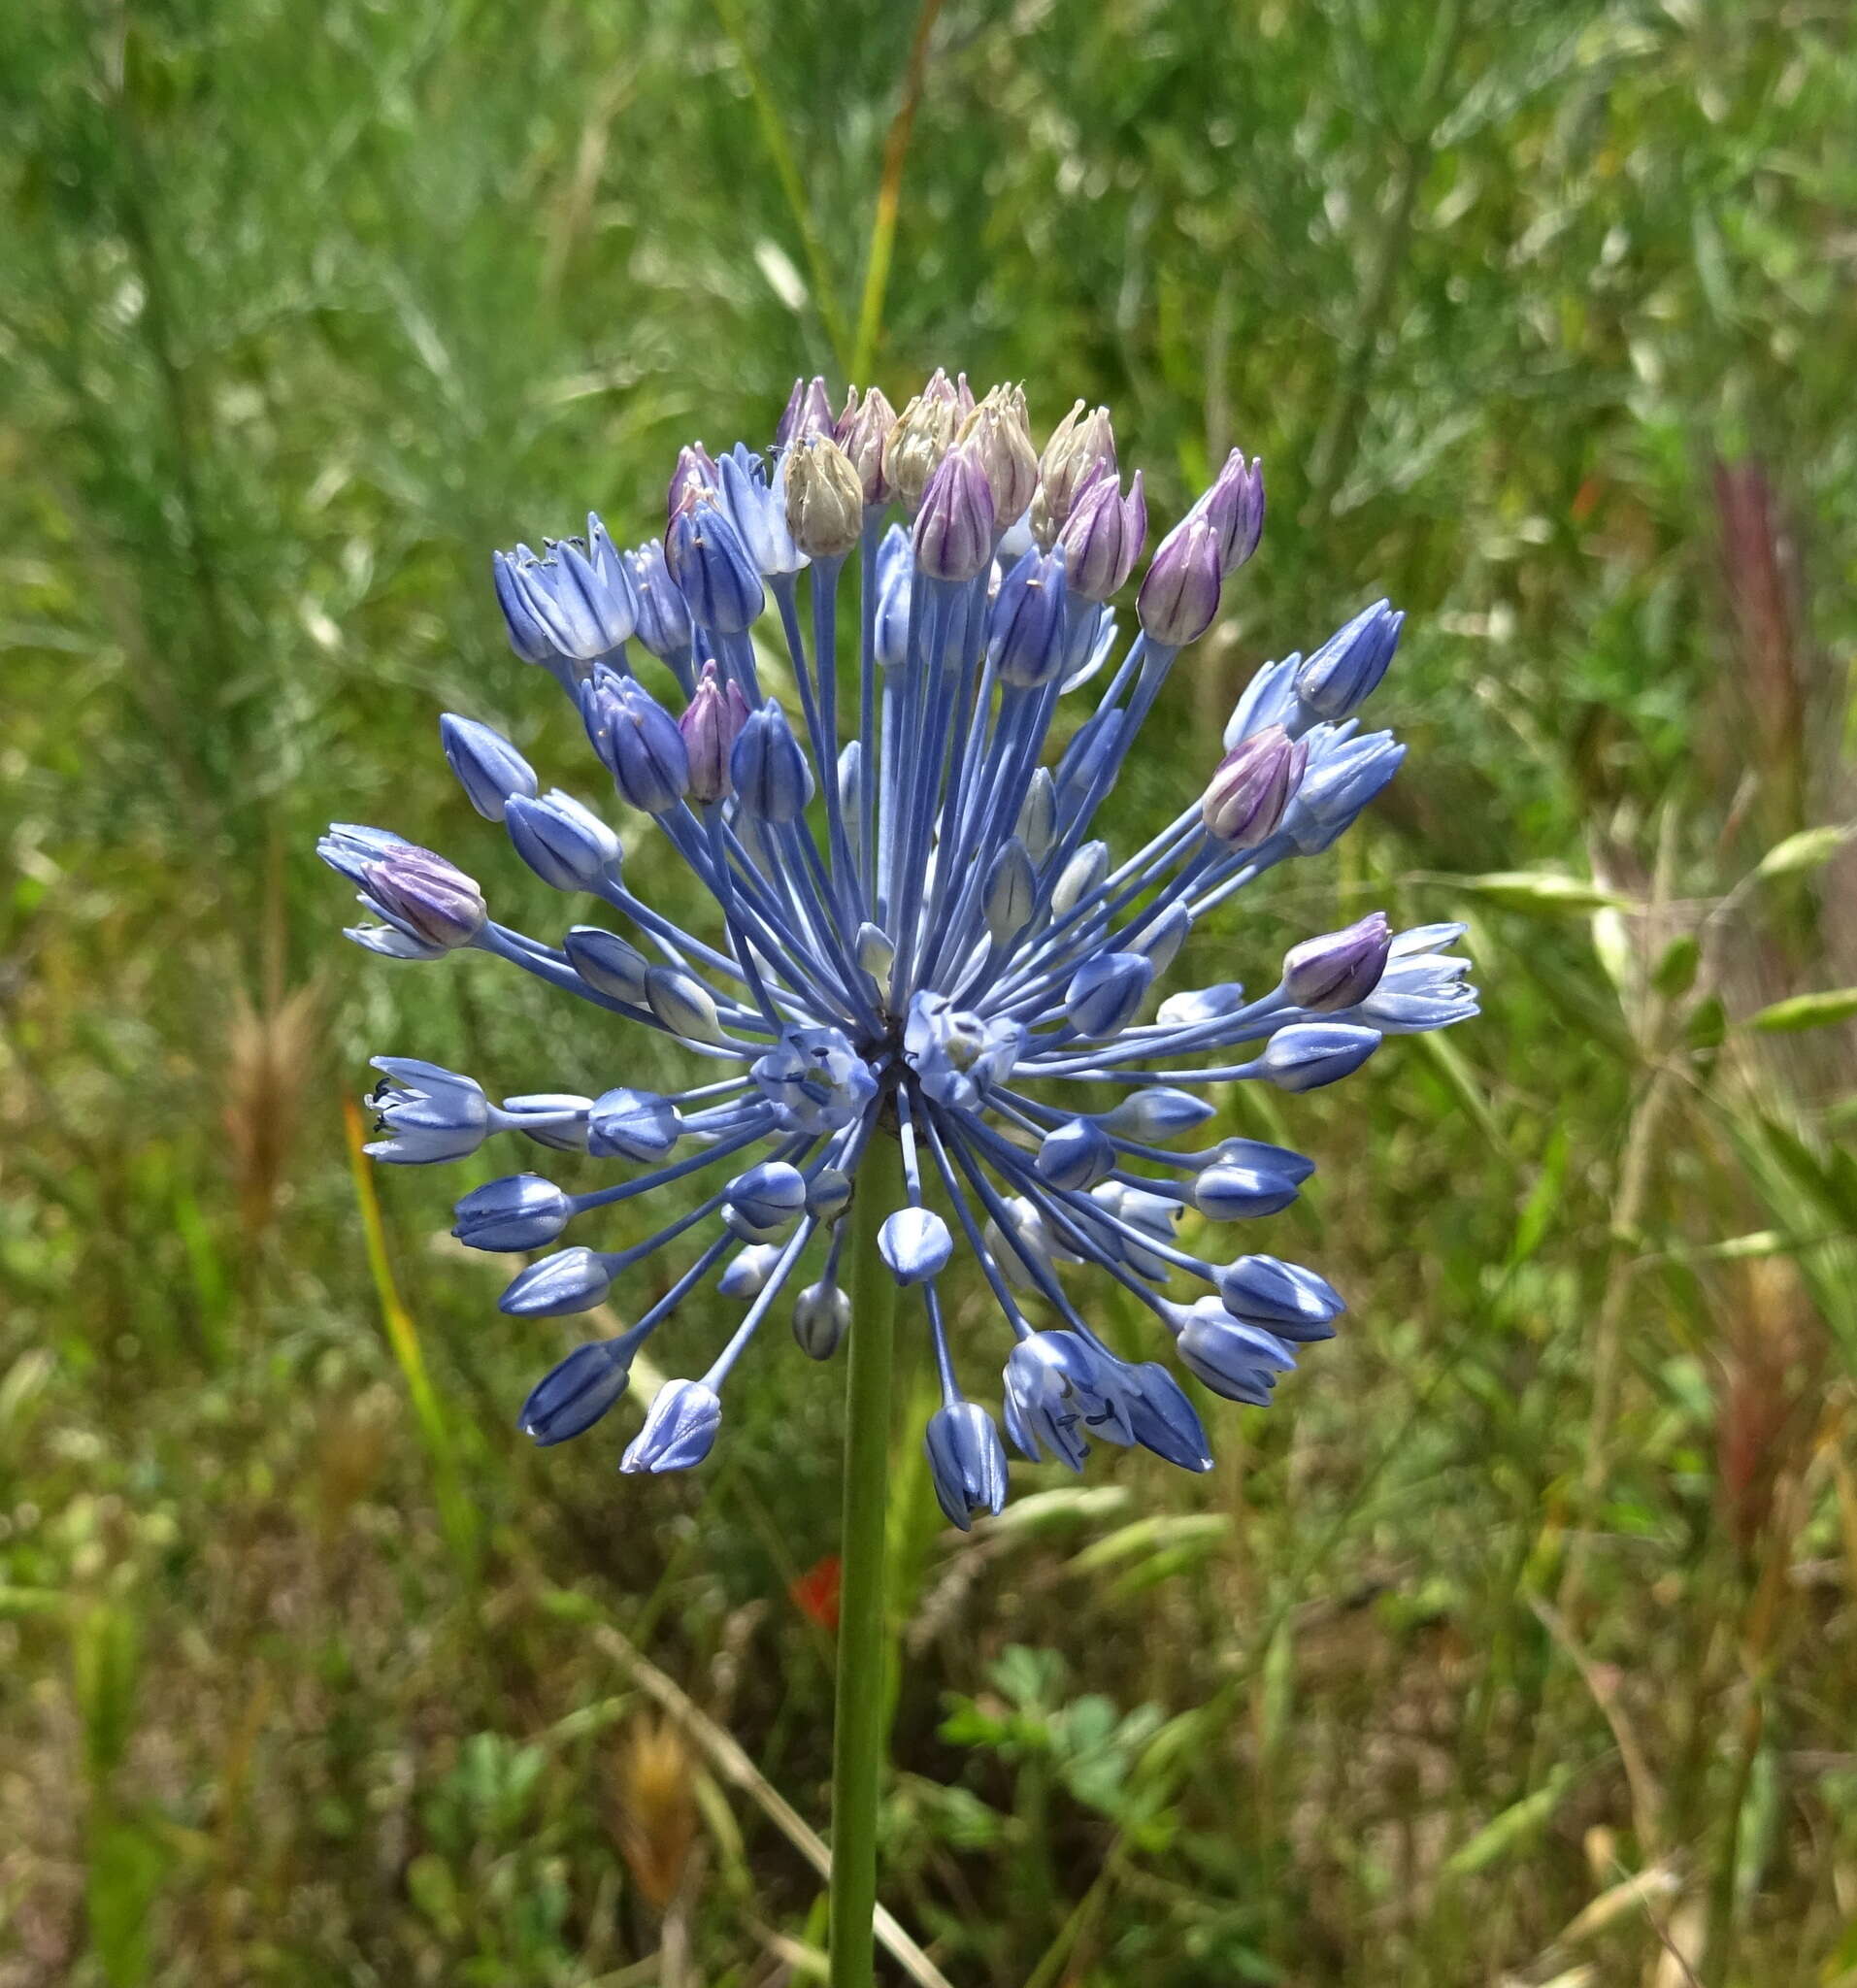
(916,936)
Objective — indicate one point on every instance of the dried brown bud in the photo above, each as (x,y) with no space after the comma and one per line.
(1002,438)
(824,499)
(915,447)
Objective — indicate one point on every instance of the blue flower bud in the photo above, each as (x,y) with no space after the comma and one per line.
(748,1271)
(551,1118)
(954,527)
(710,726)
(679,1431)
(1195,1005)
(1340,676)
(1157,1113)
(568,1280)
(1037,825)
(1180,593)
(570,1399)
(1295,1303)
(767,1196)
(1237,1194)
(528,637)
(769,769)
(430,1115)
(489,769)
(1011,892)
(1161,941)
(1259,1158)
(633,1125)
(828,1194)
(757,510)
(637,740)
(1347,776)
(895,574)
(1309,1054)
(967,1462)
(430,900)
(566,845)
(820,1315)
(1153,1215)
(1102,538)
(522,1212)
(1076,1156)
(1245,798)
(1270,699)
(915,1243)
(1235,1359)
(389,943)
(1107,992)
(663,614)
(705,557)
(586,611)
(1163,1419)
(1338,969)
(1234,508)
(607,962)
(1025,625)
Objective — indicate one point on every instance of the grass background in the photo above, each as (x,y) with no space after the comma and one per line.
(1515,1647)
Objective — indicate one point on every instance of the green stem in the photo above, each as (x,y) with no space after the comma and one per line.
(857,1743)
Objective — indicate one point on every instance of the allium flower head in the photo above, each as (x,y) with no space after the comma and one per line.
(913,936)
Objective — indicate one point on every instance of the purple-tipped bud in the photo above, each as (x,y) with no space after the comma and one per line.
(967,1462)
(571,1397)
(710,726)
(426,897)
(1026,623)
(663,614)
(694,477)
(1102,538)
(1309,1054)
(768,766)
(713,569)
(915,446)
(954,527)
(1179,594)
(1339,969)
(566,845)
(1344,672)
(637,741)
(489,769)
(522,1211)
(1079,446)
(679,1431)
(1245,798)
(861,431)
(808,413)
(1234,508)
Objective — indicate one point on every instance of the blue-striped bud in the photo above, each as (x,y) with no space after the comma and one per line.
(954,527)
(637,741)
(522,1212)
(570,1280)
(767,1196)
(663,613)
(1076,1156)
(565,843)
(489,769)
(1245,798)
(1235,1359)
(967,1462)
(683,1004)
(1181,590)
(710,726)
(915,1243)
(1234,508)
(679,1431)
(713,569)
(1025,625)
(748,1271)
(1157,1113)
(1344,777)
(1309,1054)
(1240,1194)
(769,769)
(1343,673)
(807,412)
(556,1120)
(1106,993)
(1102,538)
(607,962)
(571,1397)
(1162,1420)
(1012,893)
(629,1124)
(1293,1301)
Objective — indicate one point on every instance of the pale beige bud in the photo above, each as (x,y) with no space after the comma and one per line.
(1001,439)
(1078,445)
(916,445)
(824,499)
(862,430)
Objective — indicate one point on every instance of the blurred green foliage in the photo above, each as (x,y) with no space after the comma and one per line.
(1514,1646)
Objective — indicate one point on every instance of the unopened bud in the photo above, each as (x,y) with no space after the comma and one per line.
(1000,434)
(1245,798)
(710,726)
(1079,444)
(914,446)
(1102,538)
(954,526)
(1180,595)
(824,499)
(862,430)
